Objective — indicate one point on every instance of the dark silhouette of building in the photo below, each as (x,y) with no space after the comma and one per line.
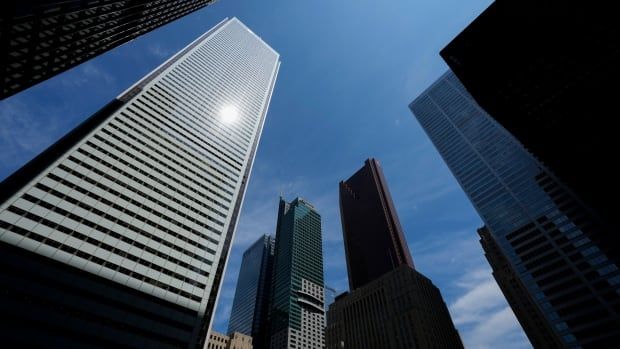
(530,317)
(373,237)
(401,309)
(250,308)
(42,38)
(542,229)
(391,305)
(548,72)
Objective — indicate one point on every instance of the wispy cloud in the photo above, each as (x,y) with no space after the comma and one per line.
(157,50)
(483,315)
(482,295)
(477,305)
(88,72)
(23,134)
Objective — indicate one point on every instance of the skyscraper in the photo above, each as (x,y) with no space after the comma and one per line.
(544,71)
(118,234)
(250,308)
(373,238)
(547,236)
(297,316)
(538,330)
(391,305)
(39,39)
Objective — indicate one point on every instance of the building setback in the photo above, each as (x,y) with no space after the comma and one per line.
(399,310)
(540,227)
(391,305)
(118,234)
(545,71)
(250,308)
(297,315)
(373,238)
(39,39)
(235,340)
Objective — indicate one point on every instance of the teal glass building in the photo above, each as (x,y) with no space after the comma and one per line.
(550,240)
(297,314)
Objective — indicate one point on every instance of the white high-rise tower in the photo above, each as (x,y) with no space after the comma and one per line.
(118,234)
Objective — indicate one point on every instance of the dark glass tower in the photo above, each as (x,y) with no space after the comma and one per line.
(250,309)
(42,38)
(547,71)
(540,227)
(297,316)
(391,305)
(538,330)
(373,238)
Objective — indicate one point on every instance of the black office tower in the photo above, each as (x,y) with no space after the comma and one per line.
(548,72)
(42,38)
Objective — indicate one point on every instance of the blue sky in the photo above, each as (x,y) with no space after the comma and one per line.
(349,70)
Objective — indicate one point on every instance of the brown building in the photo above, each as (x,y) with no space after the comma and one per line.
(391,305)
(42,38)
(534,324)
(400,310)
(373,238)
(234,340)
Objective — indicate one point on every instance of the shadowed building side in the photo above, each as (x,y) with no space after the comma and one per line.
(531,319)
(373,236)
(547,71)
(543,230)
(250,308)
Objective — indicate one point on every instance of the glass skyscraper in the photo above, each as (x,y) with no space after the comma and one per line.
(250,308)
(297,314)
(543,231)
(118,234)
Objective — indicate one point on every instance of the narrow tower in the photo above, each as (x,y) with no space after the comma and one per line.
(297,316)
(250,308)
(374,240)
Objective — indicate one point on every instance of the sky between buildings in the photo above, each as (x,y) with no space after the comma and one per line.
(349,70)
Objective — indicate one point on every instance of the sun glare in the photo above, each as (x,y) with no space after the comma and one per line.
(229,114)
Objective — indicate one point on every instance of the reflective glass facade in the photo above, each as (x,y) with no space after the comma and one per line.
(250,308)
(145,195)
(544,232)
(297,314)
